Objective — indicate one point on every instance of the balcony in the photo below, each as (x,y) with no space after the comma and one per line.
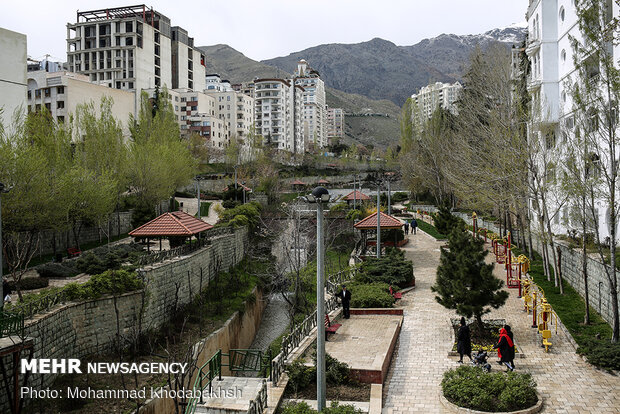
(532,47)
(533,83)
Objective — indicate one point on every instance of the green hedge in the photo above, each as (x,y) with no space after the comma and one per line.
(58,270)
(471,387)
(334,408)
(371,295)
(114,282)
(392,269)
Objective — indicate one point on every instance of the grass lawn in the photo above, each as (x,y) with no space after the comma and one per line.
(431,230)
(204,208)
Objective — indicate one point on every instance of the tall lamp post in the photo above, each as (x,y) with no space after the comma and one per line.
(320,195)
(235,168)
(243,184)
(3,189)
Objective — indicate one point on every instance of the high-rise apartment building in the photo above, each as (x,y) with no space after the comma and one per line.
(433,96)
(278,114)
(335,124)
(133,48)
(236,110)
(314,106)
(12,73)
(552,25)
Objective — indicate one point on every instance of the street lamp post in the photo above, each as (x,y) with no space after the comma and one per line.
(243,184)
(3,189)
(319,196)
(235,168)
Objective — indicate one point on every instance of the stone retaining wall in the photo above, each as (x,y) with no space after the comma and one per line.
(77,330)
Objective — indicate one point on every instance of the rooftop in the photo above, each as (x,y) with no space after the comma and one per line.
(386,222)
(177,223)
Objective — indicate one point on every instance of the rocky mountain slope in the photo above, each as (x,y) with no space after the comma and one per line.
(379,69)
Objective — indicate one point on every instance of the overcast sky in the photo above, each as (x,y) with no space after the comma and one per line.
(263,29)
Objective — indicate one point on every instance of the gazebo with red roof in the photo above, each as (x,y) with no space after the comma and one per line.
(356,195)
(174,224)
(323,181)
(298,183)
(369,225)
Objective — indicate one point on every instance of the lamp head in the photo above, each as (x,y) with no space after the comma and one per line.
(318,195)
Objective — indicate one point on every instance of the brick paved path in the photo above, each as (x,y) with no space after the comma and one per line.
(567,383)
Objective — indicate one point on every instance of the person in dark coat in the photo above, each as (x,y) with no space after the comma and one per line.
(406,228)
(345,297)
(463,343)
(414,225)
(511,335)
(505,349)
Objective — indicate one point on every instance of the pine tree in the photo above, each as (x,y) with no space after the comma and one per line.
(464,281)
(444,220)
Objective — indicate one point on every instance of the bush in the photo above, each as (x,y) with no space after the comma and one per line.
(334,408)
(336,372)
(371,295)
(29,283)
(399,197)
(57,270)
(251,211)
(300,376)
(109,282)
(354,215)
(471,387)
(392,269)
(90,263)
(229,204)
(602,353)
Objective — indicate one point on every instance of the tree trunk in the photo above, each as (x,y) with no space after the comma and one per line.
(584,261)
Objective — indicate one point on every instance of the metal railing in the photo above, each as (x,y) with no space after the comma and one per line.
(258,405)
(11,324)
(206,374)
(302,331)
(43,304)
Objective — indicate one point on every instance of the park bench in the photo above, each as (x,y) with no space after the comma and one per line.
(73,251)
(330,327)
(546,335)
(397,295)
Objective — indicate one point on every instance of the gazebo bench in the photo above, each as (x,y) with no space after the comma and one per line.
(73,251)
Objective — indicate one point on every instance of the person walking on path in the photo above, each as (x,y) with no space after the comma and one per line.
(414,225)
(463,344)
(345,297)
(505,349)
(406,227)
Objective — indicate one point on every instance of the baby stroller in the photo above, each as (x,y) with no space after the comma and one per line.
(480,360)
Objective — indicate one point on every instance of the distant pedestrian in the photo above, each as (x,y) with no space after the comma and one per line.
(414,225)
(505,349)
(345,297)
(463,344)
(406,228)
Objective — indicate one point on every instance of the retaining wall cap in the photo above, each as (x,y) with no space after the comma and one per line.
(456,409)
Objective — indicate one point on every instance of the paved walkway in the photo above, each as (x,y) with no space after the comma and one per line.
(567,383)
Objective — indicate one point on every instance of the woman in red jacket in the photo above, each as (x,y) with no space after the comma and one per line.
(505,349)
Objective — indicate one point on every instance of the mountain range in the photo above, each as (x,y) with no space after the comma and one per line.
(376,76)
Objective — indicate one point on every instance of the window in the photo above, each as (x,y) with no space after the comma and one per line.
(129,27)
(60,90)
(562,13)
(60,118)
(60,104)
(129,41)
(47,92)
(563,55)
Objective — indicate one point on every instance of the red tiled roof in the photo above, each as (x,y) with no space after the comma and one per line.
(323,181)
(358,196)
(297,182)
(177,223)
(387,222)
